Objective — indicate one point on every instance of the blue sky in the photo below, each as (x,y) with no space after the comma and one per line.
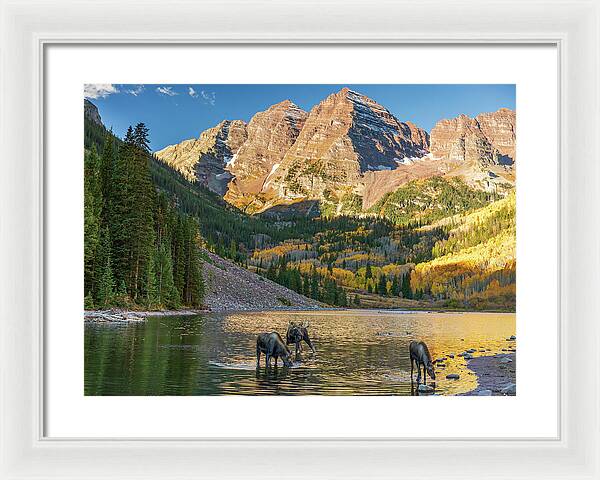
(177,112)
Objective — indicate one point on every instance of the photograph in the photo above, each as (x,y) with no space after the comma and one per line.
(294,230)
(299,239)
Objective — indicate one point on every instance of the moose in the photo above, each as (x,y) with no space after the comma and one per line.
(419,353)
(271,344)
(297,332)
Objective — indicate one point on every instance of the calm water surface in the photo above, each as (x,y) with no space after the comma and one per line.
(357,353)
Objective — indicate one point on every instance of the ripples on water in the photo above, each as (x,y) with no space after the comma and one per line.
(357,353)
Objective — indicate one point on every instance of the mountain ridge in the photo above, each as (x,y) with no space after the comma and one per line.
(346,145)
(204,159)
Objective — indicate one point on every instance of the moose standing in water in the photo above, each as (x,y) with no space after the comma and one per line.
(296,333)
(271,344)
(419,353)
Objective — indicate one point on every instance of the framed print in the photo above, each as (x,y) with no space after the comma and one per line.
(224,235)
(387,250)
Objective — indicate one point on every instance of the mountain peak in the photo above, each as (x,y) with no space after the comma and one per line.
(344,136)
(481,150)
(204,159)
(271,134)
(90,111)
(352,95)
(287,103)
(291,111)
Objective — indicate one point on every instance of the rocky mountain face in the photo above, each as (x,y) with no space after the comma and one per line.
(482,150)
(270,134)
(90,111)
(347,146)
(204,159)
(233,288)
(344,136)
(500,129)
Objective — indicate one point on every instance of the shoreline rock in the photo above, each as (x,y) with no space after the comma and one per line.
(496,375)
(121,316)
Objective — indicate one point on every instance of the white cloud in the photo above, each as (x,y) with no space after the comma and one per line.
(192,93)
(135,91)
(209,97)
(167,91)
(99,90)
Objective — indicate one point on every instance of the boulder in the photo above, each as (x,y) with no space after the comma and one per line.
(510,389)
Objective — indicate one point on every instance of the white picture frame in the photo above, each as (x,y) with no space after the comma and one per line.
(28,27)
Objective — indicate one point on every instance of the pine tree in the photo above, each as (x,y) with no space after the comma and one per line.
(271,272)
(88,302)
(296,280)
(329,294)
(314,284)
(178,255)
(233,251)
(306,285)
(368,273)
(150,291)
(382,285)
(194,284)
(342,298)
(406,290)
(395,290)
(105,286)
(120,208)
(141,222)
(166,293)
(106,171)
(92,211)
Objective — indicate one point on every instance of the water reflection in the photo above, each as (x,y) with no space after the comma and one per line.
(358,353)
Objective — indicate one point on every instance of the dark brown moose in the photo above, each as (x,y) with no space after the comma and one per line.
(419,353)
(297,332)
(271,344)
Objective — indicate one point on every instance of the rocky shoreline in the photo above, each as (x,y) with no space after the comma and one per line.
(119,316)
(496,375)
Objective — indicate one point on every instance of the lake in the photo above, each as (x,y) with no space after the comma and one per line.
(358,352)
